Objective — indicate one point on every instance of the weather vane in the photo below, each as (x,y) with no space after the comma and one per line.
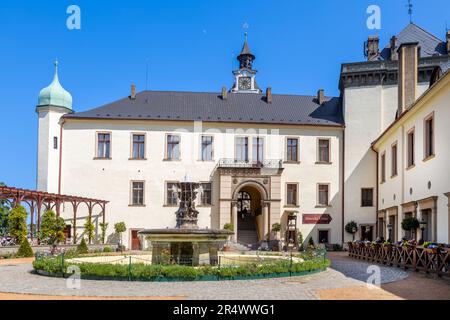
(410,10)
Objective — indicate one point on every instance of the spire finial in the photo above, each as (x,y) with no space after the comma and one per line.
(246,35)
(410,7)
(56,63)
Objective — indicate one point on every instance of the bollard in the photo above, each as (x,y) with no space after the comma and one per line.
(129,268)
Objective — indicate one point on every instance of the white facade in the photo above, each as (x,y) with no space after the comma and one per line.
(110,179)
(425,186)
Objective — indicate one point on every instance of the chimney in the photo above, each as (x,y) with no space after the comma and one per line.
(133,92)
(393,45)
(372,47)
(224,93)
(269,95)
(320,96)
(408,56)
(448,41)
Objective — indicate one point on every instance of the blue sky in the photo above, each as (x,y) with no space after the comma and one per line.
(190,46)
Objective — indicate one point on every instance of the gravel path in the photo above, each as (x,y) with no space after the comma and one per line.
(342,274)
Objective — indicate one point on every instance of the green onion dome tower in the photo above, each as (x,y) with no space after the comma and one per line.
(53,103)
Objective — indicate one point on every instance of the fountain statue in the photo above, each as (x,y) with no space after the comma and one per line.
(186,244)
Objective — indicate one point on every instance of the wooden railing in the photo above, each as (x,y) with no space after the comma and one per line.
(434,261)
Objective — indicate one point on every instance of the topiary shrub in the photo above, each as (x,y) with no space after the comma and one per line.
(311,242)
(107,249)
(82,247)
(25,250)
(410,224)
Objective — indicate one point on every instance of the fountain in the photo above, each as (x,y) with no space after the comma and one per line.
(186,244)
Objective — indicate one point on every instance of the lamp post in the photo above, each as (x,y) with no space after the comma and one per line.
(423,226)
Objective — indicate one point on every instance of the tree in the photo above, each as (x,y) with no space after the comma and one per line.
(103,228)
(119,228)
(89,229)
(300,241)
(17,223)
(82,247)
(352,228)
(4,212)
(25,250)
(52,229)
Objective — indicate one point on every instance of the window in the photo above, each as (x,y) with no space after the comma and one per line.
(173,147)
(207,148)
(241,149)
(429,137)
(292,150)
(394,170)
(411,160)
(171,194)
(104,145)
(323,199)
(55,142)
(258,150)
(367,197)
(324,236)
(138,146)
(206,196)
(383,168)
(291,194)
(324,150)
(137,193)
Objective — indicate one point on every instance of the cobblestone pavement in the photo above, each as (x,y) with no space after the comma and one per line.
(342,274)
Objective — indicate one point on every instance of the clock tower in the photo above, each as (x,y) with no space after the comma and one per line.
(245,76)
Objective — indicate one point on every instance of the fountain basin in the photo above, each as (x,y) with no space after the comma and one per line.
(191,247)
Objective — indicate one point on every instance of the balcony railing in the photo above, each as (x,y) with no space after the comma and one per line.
(235,163)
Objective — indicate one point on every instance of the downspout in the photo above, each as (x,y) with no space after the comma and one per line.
(376,192)
(60,154)
(343,186)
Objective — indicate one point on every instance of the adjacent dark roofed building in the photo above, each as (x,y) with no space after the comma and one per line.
(238,107)
(429,44)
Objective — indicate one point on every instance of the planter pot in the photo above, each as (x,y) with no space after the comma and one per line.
(387,247)
(431,250)
(226,248)
(408,248)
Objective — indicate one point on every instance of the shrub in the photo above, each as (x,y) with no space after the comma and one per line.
(300,241)
(152,272)
(25,250)
(107,249)
(276,227)
(52,228)
(119,228)
(228,226)
(351,227)
(82,247)
(410,224)
(89,229)
(103,228)
(17,223)
(311,242)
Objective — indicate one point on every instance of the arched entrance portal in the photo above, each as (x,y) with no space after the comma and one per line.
(249,215)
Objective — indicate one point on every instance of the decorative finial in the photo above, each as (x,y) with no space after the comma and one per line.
(410,7)
(246,35)
(56,63)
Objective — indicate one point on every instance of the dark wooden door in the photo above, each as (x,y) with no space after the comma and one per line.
(135,241)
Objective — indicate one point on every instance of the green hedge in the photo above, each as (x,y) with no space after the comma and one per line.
(55,267)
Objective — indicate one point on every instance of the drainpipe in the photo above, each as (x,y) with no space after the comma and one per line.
(343,186)
(376,191)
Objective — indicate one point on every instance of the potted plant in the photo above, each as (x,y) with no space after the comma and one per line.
(431,247)
(387,246)
(410,224)
(352,228)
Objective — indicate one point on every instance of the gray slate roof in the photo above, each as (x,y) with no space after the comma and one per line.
(430,45)
(239,107)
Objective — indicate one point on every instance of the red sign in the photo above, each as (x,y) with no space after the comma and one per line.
(317,219)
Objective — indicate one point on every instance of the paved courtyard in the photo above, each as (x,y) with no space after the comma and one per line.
(345,279)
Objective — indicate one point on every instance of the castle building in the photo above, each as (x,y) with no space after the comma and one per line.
(270,165)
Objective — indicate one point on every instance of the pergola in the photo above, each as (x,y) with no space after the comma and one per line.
(37,200)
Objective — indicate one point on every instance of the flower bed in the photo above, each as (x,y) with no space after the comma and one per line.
(144,272)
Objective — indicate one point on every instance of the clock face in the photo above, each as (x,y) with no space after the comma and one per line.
(245,83)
